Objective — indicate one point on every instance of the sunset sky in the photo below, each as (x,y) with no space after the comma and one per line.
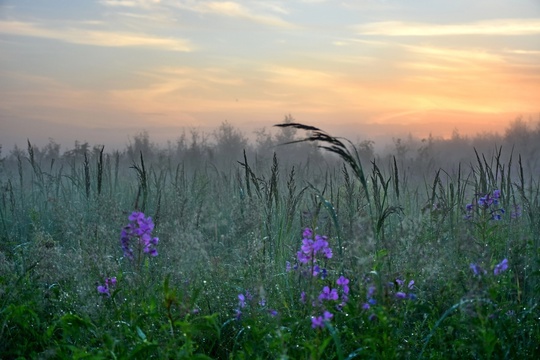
(102,71)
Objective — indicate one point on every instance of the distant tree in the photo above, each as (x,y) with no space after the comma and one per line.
(78,150)
(230,143)
(518,131)
(366,151)
(141,145)
(286,134)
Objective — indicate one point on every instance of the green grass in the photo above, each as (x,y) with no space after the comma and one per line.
(230,230)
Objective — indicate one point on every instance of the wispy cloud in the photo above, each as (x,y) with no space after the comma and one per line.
(238,10)
(130,3)
(94,37)
(499,27)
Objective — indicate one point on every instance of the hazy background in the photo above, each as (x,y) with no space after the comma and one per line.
(103,71)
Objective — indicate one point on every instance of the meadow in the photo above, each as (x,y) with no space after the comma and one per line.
(317,249)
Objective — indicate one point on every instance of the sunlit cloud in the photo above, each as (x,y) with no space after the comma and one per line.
(499,27)
(237,10)
(94,37)
(129,3)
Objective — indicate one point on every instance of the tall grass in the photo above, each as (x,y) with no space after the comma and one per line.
(228,283)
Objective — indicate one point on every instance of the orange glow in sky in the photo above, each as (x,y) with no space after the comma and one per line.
(101,71)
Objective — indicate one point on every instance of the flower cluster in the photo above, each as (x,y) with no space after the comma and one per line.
(401,293)
(105,289)
(311,249)
(497,270)
(500,267)
(488,203)
(138,233)
(244,300)
(328,297)
(393,291)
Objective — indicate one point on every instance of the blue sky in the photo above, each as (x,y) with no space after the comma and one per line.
(101,71)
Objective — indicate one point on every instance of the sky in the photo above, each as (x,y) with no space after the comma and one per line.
(104,71)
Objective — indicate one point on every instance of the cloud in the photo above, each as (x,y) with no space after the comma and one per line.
(237,10)
(94,37)
(129,3)
(499,27)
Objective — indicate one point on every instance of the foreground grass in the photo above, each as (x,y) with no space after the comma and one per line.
(341,262)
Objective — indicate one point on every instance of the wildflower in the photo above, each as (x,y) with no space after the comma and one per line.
(497,214)
(371,291)
(273,313)
(366,306)
(328,294)
(308,233)
(516,212)
(469,207)
(287,266)
(411,285)
(139,233)
(302,257)
(106,288)
(237,314)
(303,297)
(318,322)
(324,274)
(400,282)
(502,266)
(242,300)
(401,295)
(477,270)
(343,282)
(496,196)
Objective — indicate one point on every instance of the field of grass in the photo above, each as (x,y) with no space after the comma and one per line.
(110,256)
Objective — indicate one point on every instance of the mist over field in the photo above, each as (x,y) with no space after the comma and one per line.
(298,244)
(303,179)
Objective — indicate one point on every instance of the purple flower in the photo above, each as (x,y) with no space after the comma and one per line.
(242,300)
(303,258)
(502,266)
(327,252)
(400,282)
(273,313)
(106,288)
(316,270)
(411,285)
(516,212)
(138,233)
(328,294)
(371,291)
(477,270)
(303,297)
(469,207)
(307,246)
(343,282)
(366,306)
(496,194)
(401,295)
(308,233)
(318,322)
(287,266)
